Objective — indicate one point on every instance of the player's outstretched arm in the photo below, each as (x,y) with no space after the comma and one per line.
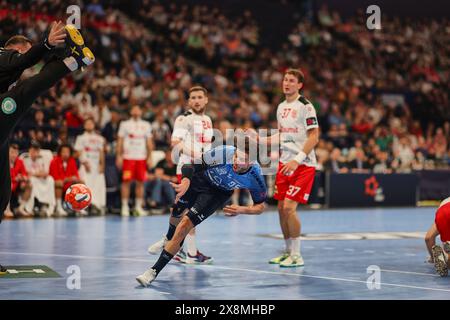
(16,61)
(234,210)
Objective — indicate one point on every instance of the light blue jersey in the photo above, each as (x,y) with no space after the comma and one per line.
(219,171)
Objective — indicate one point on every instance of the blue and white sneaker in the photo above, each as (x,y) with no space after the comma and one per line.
(180,256)
(199,258)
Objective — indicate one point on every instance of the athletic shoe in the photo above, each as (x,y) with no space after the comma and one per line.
(125,212)
(2,270)
(292,262)
(279,259)
(147,277)
(180,256)
(78,50)
(140,212)
(158,246)
(199,258)
(440,262)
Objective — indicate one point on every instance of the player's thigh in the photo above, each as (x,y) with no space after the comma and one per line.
(184,203)
(128,170)
(140,171)
(301,184)
(442,222)
(281,185)
(206,204)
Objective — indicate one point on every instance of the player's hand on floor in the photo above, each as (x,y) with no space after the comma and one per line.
(181,188)
(57,33)
(232,210)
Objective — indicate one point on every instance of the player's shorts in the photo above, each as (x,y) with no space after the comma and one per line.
(442,221)
(202,199)
(297,186)
(134,170)
(179,176)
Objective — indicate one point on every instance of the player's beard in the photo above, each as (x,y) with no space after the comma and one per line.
(198,110)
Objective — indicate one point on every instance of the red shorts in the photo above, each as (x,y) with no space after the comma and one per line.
(134,170)
(179,177)
(442,221)
(297,186)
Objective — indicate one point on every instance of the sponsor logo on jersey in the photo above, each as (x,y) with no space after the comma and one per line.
(9,106)
(311,121)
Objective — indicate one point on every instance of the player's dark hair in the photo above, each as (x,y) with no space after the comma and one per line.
(14,146)
(64,145)
(35,145)
(198,88)
(296,73)
(18,39)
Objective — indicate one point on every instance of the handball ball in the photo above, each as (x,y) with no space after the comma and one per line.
(78,197)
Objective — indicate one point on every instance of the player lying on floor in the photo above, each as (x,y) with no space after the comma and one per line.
(205,188)
(441,226)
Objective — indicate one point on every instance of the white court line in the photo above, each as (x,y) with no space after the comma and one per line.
(369,251)
(237,269)
(328,248)
(349,249)
(411,272)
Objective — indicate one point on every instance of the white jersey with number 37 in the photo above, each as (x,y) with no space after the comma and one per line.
(294,120)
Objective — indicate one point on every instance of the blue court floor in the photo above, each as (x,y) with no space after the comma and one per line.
(339,247)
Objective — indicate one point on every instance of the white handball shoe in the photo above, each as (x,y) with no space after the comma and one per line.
(292,262)
(147,277)
(158,246)
(125,211)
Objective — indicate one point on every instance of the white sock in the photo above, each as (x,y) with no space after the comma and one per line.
(288,245)
(71,63)
(295,250)
(124,203)
(139,203)
(59,205)
(190,244)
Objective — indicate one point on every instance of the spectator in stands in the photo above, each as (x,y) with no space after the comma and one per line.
(336,163)
(38,166)
(112,127)
(161,132)
(161,193)
(359,164)
(63,169)
(20,183)
(382,164)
